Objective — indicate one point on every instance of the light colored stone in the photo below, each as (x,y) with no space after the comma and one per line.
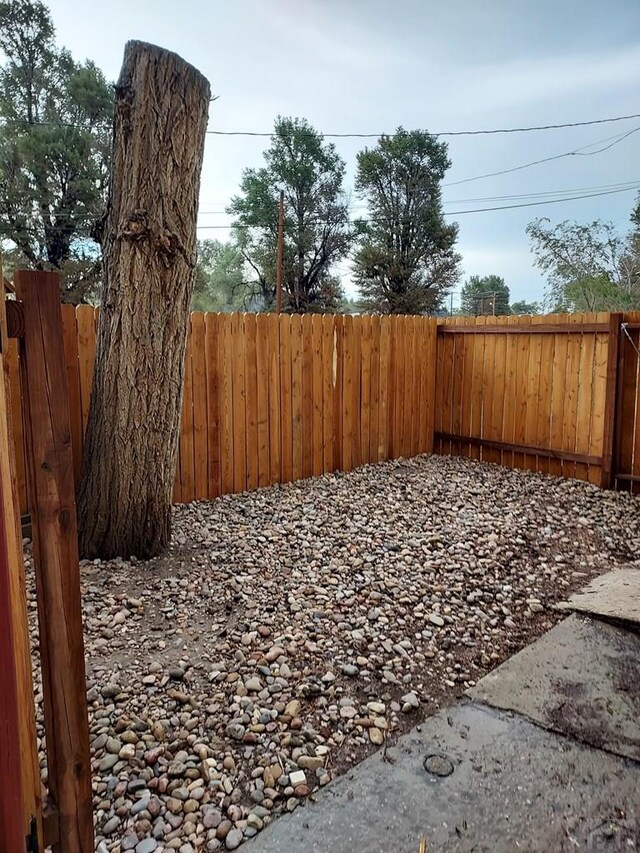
(297,777)
(376,736)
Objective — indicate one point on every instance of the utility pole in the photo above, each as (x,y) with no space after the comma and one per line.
(280,254)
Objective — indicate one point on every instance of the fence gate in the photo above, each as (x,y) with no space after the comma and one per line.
(535,393)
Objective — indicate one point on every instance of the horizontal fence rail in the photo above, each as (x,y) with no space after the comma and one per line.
(273,398)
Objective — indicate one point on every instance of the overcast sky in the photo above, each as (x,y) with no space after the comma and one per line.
(367,66)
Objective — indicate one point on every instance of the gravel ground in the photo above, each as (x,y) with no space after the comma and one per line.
(290,631)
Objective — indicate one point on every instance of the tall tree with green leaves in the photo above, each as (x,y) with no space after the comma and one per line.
(484,294)
(589,267)
(221,283)
(55,138)
(317,230)
(406,262)
(524,307)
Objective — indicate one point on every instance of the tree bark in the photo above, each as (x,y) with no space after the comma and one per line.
(149,249)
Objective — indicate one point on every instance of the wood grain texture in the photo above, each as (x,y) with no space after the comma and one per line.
(286,410)
(596,440)
(149,266)
(559,372)
(55,557)
(348,394)
(629,346)
(249,331)
(86,325)
(186,445)
(317,396)
(275,415)
(533,396)
(338,391)
(307,434)
(239,408)
(12,371)
(613,354)
(365,388)
(199,396)
(225,392)
(262,398)
(18,754)
(374,417)
(327,391)
(523,395)
(384,393)
(212,370)
(297,405)
(70,342)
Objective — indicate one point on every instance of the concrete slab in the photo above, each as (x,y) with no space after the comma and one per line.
(513,786)
(582,679)
(615,595)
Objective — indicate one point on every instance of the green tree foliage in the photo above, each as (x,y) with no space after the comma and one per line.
(348,305)
(589,267)
(484,294)
(220,278)
(406,261)
(523,307)
(55,138)
(317,228)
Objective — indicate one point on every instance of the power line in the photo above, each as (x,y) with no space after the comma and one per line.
(438,133)
(622,184)
(464,212)
(537,203)
(576,152)
(603,189)
(483,132)
(454,201)
(480,209)
(482,198)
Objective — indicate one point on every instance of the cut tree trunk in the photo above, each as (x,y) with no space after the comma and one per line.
(149,249)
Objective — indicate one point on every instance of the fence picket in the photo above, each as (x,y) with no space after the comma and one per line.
(374,435)
(348,417)
(327,391)
(225,389)
(275,416)
(212,369)
(199,394)
(317,399)
(262,398)
(307,395)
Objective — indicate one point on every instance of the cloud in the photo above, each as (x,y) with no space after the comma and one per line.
(497,86)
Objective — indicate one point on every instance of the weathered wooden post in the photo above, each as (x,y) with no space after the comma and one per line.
(607,475)
(55,555)
(20,817)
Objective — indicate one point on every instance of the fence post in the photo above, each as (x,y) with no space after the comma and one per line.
(20,807)
(610,408)
(55,555)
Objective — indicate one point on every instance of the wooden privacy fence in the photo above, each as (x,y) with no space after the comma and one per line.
(271,398)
